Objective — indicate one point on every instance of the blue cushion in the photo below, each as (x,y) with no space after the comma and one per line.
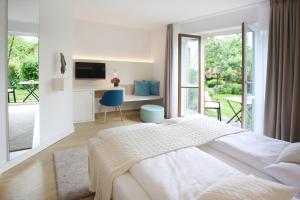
(154,88)
(141,88)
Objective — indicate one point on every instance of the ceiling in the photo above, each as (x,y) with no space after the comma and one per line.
(144,14)
(149,14)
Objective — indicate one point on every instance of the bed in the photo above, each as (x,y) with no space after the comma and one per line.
(139,189)
(186,172)
(255,150)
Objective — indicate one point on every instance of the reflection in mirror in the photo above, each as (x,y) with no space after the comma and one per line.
(23,76)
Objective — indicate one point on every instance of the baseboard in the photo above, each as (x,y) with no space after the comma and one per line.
(45,144)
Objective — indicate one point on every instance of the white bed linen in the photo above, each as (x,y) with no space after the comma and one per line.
(255,150)
(181,174)
(126,186)
(236,164)
(117,130)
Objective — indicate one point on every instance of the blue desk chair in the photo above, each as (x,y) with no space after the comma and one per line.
(112,98)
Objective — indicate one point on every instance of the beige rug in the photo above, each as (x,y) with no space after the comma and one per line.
(72,173)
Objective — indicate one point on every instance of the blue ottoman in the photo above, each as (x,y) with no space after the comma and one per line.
(152,113)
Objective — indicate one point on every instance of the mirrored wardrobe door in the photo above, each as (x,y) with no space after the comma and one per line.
(3,82)
(23,76)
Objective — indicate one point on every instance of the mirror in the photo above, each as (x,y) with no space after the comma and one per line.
(23,76)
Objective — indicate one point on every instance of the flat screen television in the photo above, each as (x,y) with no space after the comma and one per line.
(88,70)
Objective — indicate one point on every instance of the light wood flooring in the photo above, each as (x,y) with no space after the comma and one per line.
(34,179)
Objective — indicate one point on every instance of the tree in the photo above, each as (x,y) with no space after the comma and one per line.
(22,59)
(224,56)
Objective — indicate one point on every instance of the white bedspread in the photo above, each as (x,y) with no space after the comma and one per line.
(255,150)
(119,130)
(112,156)
(180,175)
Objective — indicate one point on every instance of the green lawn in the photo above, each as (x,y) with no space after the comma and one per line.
(226,111)
(21,94)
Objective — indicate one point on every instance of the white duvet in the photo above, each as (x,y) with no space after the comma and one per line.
(180,175)
(255,150)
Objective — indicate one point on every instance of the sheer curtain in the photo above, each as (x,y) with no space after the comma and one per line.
(261,65)
(171,71)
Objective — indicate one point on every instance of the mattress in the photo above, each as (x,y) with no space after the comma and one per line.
(255,150)
(127,186)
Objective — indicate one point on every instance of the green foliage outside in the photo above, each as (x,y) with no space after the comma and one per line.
(30,70)
(22,60)
(22,64)
(223,60)
(223,71)
(13,75)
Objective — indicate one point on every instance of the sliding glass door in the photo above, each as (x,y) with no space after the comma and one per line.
(189,87)
(248,40)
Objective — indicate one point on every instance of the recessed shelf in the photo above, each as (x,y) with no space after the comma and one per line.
(78,58)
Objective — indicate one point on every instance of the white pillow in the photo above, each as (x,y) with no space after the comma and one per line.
(287,173)
(290,154)
(247,188)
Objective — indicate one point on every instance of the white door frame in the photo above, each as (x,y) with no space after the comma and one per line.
(3,82)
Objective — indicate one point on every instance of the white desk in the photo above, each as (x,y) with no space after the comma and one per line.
(86,104)
(133,98)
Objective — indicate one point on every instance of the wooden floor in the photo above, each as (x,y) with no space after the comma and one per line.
(34,179)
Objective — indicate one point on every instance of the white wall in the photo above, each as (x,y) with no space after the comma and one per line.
(3,81)
(93,40)
(133,53)
(56,107)
(158,52)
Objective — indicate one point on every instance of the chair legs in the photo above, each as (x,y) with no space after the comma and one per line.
(219,114)
(14,94)
(104,114)
(117,110)
(121,114)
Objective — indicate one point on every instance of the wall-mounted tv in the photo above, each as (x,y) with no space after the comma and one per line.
(88,70)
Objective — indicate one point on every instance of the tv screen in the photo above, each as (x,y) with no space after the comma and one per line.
(87,70)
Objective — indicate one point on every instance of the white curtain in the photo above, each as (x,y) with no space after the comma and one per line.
(261,65)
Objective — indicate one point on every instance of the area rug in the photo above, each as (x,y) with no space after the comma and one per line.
(72,177)
(21,130)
